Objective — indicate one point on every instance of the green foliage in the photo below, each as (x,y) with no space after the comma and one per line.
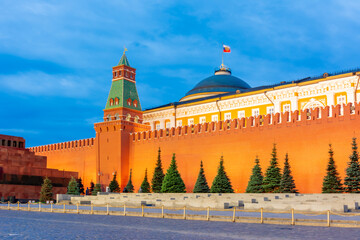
(91,189)
(80,186)
(352,179)
(114,185)
(129,186)
(73,188)
(173,182)
(158,176)
(201,185)
(332,180)
(287,183)
(46,191)
(221,183)
(145,185)
(97,189)
(255,184)
(272,178)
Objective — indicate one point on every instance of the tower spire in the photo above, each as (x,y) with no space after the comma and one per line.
(123,59)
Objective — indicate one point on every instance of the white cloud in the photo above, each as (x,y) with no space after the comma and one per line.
(43,84)
(17,131)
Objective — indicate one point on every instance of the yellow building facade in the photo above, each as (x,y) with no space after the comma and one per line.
(219,102)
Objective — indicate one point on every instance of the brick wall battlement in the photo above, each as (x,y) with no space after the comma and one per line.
(76,144)
(287,119)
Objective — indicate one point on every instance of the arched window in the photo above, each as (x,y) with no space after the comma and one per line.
(312,104)
(116,101)
(111,102)
(129,102)
(108,118)
(135,103)
(136,119)
(117,116)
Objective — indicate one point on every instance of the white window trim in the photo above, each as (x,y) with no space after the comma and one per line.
(189,120)
(202,119)
(227,116)
(270,108)
(241,114)
(213,118)
(179,123)
(285,106)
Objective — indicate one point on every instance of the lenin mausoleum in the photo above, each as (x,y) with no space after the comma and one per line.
(221,115)
(22,172)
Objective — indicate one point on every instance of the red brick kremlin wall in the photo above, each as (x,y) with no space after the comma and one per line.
(78,156)
(303,135)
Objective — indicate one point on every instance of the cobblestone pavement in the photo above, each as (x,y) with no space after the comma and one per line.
(35,225)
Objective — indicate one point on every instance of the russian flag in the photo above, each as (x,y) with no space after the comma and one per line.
(226,48)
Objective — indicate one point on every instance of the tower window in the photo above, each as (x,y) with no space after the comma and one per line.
(129,102)
(135,103)
(115,74)
(119,73)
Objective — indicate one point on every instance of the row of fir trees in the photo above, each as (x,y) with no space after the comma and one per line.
(273,181)
(332,181)
(171,182)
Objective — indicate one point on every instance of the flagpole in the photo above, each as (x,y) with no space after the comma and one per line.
(222,55)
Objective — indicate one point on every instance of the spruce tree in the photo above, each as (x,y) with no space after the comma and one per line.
(332,180)
(287,183)
(114,185)
(46,191)
(80,186)
(73,188)
(272,176)
(352,179)
(129,186)
(158,176)
(145,185)
(255,184)
(201,185)
(173,182)
(91,189)
(97,189)
(221,183)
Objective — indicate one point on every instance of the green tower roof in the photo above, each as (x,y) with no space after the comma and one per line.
(124,60)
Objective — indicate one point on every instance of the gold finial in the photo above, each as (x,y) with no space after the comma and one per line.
(125,49)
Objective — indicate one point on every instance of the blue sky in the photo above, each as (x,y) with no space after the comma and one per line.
(56,56)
